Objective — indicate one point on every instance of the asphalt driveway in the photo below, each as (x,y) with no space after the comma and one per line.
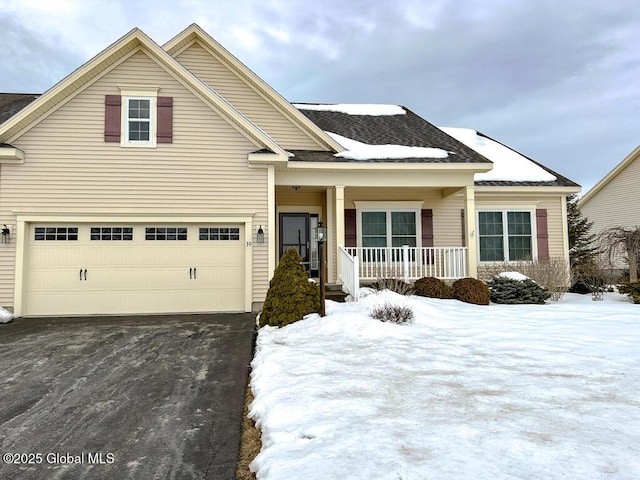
(149,397)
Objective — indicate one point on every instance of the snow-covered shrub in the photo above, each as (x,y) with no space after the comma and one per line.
(432,287)
(631,289)
(552,274)
(396,285)
(471,290)
(510,290)
(291,295)
(388,312)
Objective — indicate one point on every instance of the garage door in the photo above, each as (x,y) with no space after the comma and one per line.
(124,268)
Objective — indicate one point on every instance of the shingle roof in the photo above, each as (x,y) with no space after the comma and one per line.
(561,181)
(12,103)
(409,130)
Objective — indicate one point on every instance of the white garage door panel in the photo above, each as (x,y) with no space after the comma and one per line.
(138,276)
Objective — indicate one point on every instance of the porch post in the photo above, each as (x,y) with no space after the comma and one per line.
(331,244)
(339,226)
(470,223)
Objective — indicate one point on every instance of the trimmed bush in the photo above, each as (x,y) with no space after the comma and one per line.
(631,289)
(432,287)
(392,313)
(511,291)
(471,290)
(396,285)
(291,295)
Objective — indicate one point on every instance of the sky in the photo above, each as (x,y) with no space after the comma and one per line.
(556,80)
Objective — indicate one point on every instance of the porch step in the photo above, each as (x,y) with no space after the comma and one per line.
(335,293)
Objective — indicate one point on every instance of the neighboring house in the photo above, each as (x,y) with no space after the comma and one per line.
(615,201)
(170,179)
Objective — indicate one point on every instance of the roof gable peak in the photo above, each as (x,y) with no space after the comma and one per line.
(195,34)
(103,61)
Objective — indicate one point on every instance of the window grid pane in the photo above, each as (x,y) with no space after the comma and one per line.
(374,229)
(165,233)
(111,233)
(403,229)
(219,233)
(55,233)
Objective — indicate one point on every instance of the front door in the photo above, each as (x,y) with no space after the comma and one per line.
(295,232)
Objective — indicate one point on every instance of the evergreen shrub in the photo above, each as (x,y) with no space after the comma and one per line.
(291,295)
(631,289)
(512,291)
(471,290)
(432,287)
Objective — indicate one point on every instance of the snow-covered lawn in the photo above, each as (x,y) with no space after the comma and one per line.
(464,392)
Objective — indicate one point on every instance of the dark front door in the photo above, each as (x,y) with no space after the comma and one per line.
(295,232)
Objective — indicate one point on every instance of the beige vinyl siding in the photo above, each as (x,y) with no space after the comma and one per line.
(447,225)
(553,205)
(617,203)
(70,169)
(254,106)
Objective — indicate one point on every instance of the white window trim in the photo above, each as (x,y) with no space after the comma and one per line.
(139,92)
(505,234)
(388,211)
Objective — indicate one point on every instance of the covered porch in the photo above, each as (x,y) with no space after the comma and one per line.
(380,230)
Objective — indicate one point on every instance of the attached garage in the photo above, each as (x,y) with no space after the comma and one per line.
(121,268)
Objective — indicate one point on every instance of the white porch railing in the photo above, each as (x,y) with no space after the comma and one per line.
(349,273)
(408,263)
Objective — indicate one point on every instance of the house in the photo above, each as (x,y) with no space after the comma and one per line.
(615,201)
(171,178)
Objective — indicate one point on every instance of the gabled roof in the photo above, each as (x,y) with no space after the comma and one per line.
(12,103)
(94,68)
(628,160)
(399,127)
(193,33)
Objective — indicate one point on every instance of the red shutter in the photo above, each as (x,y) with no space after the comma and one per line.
(350,234)
(427,227)
(112,126)
(543,236)
(165,120)
(464,228)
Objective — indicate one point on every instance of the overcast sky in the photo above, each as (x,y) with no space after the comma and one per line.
(558,80)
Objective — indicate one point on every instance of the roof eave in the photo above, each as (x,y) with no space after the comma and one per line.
(519,189)
(11,155)
(361,165)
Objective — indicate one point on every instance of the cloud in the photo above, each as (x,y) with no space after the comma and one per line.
(555,80)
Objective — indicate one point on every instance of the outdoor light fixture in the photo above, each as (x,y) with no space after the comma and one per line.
(6,234)
(260,235)
(321,232)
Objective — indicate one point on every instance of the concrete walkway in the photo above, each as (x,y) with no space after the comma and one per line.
(147,397)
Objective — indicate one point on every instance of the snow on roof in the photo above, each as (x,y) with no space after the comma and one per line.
(363,151)
(354,108)
(508,165)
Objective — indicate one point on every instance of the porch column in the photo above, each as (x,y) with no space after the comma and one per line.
(339,226)
(329,221)
(470,224)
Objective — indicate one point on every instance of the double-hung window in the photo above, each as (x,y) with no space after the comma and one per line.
(505,236)
(389,228)
(138,120)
